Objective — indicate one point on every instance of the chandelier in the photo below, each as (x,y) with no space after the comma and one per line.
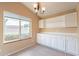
(38,8)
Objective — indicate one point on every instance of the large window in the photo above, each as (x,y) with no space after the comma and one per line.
(11,29)
(16,29)
(25,29)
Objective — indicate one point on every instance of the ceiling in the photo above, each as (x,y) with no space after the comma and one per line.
(52,7)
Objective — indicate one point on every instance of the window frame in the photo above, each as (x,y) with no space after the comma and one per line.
(30,35)
(29,29)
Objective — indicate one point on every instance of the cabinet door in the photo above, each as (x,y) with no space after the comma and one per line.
(58,42)
(41,23)
(71,20)
(71,45)
(43,39)
(39,38)
(55,22)
(54,41)
(77,46)
(49,39)
(46,39)
(61,42)
(53,38)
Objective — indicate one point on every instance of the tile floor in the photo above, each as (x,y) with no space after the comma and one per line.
(39,50)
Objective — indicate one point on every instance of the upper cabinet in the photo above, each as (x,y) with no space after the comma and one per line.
(68,20)
(41,24)
(71,20)
(55,22)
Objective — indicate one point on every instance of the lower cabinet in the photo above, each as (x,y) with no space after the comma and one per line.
(71,46)
(65,43)
(58,43)
(53,42)
(48,40)
(61,43)
(43,39)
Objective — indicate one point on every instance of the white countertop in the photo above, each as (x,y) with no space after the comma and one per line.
(57,33)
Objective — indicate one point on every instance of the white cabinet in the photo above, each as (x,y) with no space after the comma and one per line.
(68,20)
(39,38)
(48,40)
(71,45)
(58,42)
(55,22)
(68,43)
(71,19)
(53,41)
(43,39)
(77,46)
(61,43)
(41,23)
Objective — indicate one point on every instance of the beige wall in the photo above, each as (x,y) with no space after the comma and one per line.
(63,30)
(20,9)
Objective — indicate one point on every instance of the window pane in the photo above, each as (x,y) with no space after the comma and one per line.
(25,29)
(11,29)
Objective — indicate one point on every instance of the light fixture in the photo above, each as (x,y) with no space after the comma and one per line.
(38,8)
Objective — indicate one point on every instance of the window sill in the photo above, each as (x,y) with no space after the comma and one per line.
(6,42)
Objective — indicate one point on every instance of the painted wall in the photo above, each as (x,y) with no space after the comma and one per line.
(19,9)
(63,30)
